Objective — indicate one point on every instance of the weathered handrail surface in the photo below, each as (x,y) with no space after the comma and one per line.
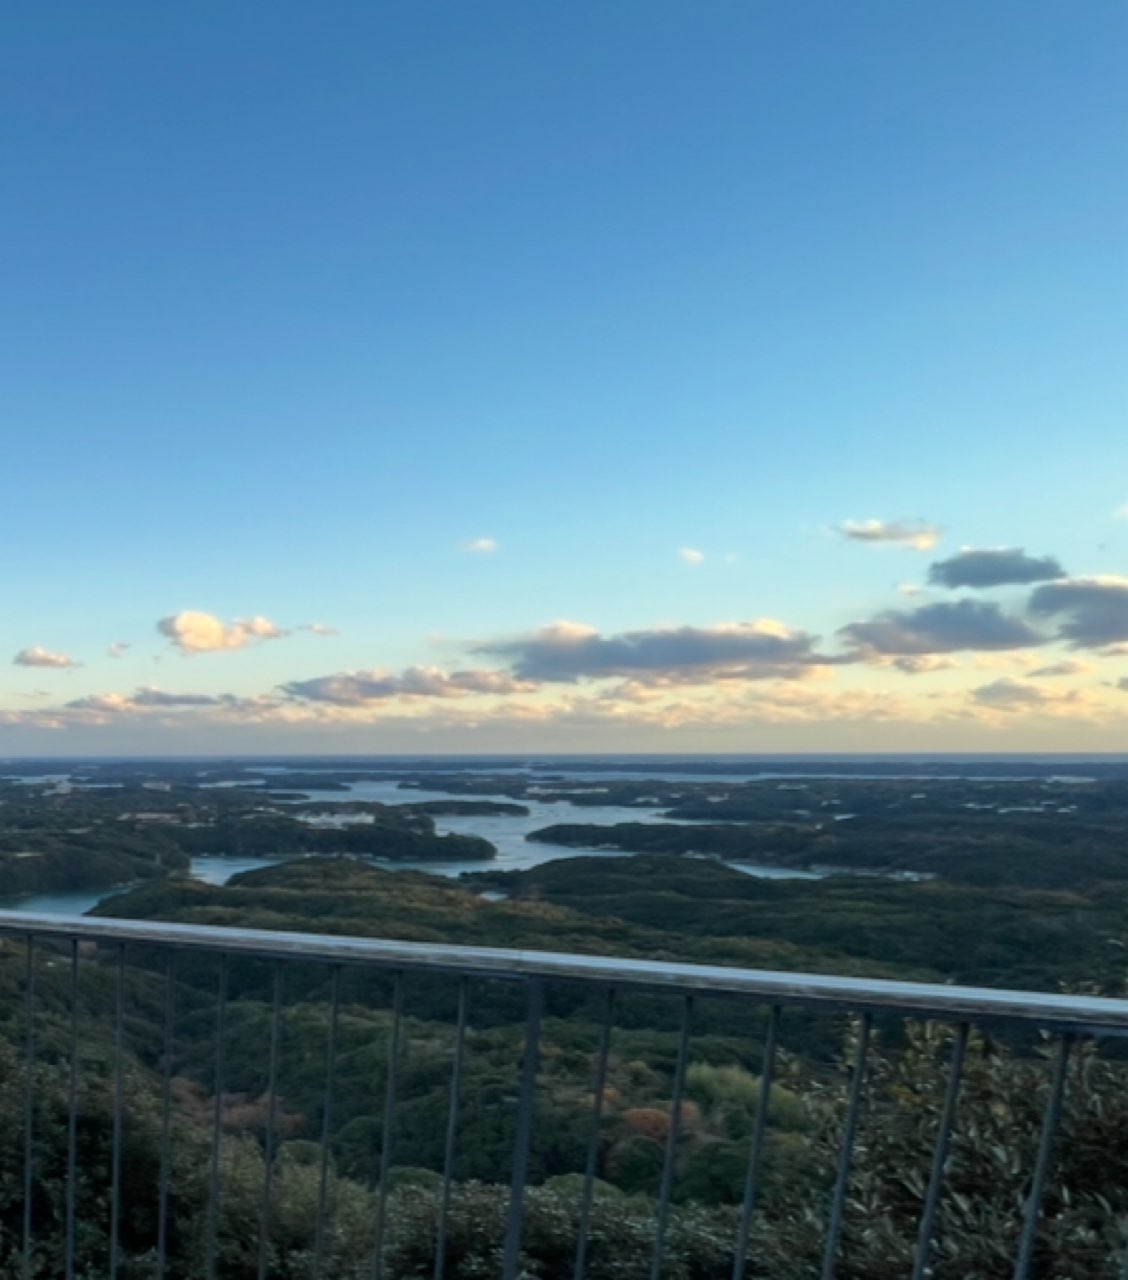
(1091,1014)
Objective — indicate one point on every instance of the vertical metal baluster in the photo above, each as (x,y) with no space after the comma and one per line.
(755,1153)
(1124,1273)
(327,1122)
(451,1130)
(842,1182)
(119,1104)
(29,1106)
(940,1155)
(212,1246)
(166,1119)
(271,1122)
(670,1163)
(389,1117)
(1042,1166)
(512,1254)
(72,1120)
(593,1142)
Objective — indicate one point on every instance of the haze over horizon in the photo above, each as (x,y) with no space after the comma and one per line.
(564,380)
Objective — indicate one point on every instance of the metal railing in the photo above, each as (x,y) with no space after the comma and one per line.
(56,950)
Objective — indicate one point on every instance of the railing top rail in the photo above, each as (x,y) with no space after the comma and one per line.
(914,999)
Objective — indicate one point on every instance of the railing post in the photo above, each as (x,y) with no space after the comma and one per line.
(940,1154)
(452,1129)
(1033,1212)
(389,1123)
(669,1165)
(166,1118)
(29,1107)
(119,1105)
(593,1143)
(759,1129)
(849,1133)
(512,1253)
(271,1136)
(212,1245)
(72,1122)
(327,1124)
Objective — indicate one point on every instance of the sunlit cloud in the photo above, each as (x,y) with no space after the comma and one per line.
(147,698)
(193,632)
(690,555)
(568,651)
(481,546)
(917,535)
(37,656)
(998,567)
(356,688)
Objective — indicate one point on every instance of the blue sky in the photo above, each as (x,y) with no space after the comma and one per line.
(300,304)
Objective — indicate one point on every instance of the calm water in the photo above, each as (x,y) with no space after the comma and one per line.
(506,832)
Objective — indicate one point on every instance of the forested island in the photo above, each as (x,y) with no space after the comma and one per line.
(87,825)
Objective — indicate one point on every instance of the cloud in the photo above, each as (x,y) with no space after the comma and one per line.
(691,556)
(37,656)
(319,629)
(158,698)
(147,699)
(923,663)
(568,651)
(117,649)
(481,546)
(1000,567)
(1121,513)
(919,535)
(1009,695)
(355,688)
(1093,611)
(1122,683)
(1068,667)
(941,628)
(193,632)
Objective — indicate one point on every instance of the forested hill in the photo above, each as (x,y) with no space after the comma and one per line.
(683,909)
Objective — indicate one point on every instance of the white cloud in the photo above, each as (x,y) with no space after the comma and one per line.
(691,555)
(481,546)
(37,656)
(319,629)
(1121,513)
(194,632)
(919,535)
(117,649)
